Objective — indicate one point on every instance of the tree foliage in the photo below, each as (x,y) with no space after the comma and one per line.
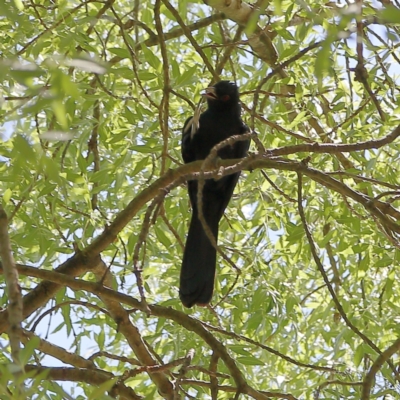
(94,206)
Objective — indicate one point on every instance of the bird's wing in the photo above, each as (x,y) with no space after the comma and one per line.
(186,147)
(190,128)
(195,122)
(192,124)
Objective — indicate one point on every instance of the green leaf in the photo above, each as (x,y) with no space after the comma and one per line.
(151,58)
(240,349)
(7,195)
(146,76)
(59,111)
(249,361)
(322,61)
(29,348)
(390,14)
(187,77)
(24,149)
(122,53)
(102,388)
(162,237)
(131,117)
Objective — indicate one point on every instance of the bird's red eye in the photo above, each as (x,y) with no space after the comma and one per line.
(226,97)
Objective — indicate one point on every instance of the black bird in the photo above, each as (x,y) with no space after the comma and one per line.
(220,121)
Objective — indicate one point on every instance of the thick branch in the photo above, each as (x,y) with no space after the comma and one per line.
(337,148)
(58,352)
(132,335)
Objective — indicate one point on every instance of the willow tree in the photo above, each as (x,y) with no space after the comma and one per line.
(94,208)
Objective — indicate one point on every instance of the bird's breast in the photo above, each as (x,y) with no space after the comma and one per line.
(213,131)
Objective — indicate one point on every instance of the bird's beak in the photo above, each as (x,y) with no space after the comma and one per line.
(210,93)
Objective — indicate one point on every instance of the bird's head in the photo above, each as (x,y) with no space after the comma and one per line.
(223,94)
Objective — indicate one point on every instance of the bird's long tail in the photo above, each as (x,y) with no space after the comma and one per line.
(198,265)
